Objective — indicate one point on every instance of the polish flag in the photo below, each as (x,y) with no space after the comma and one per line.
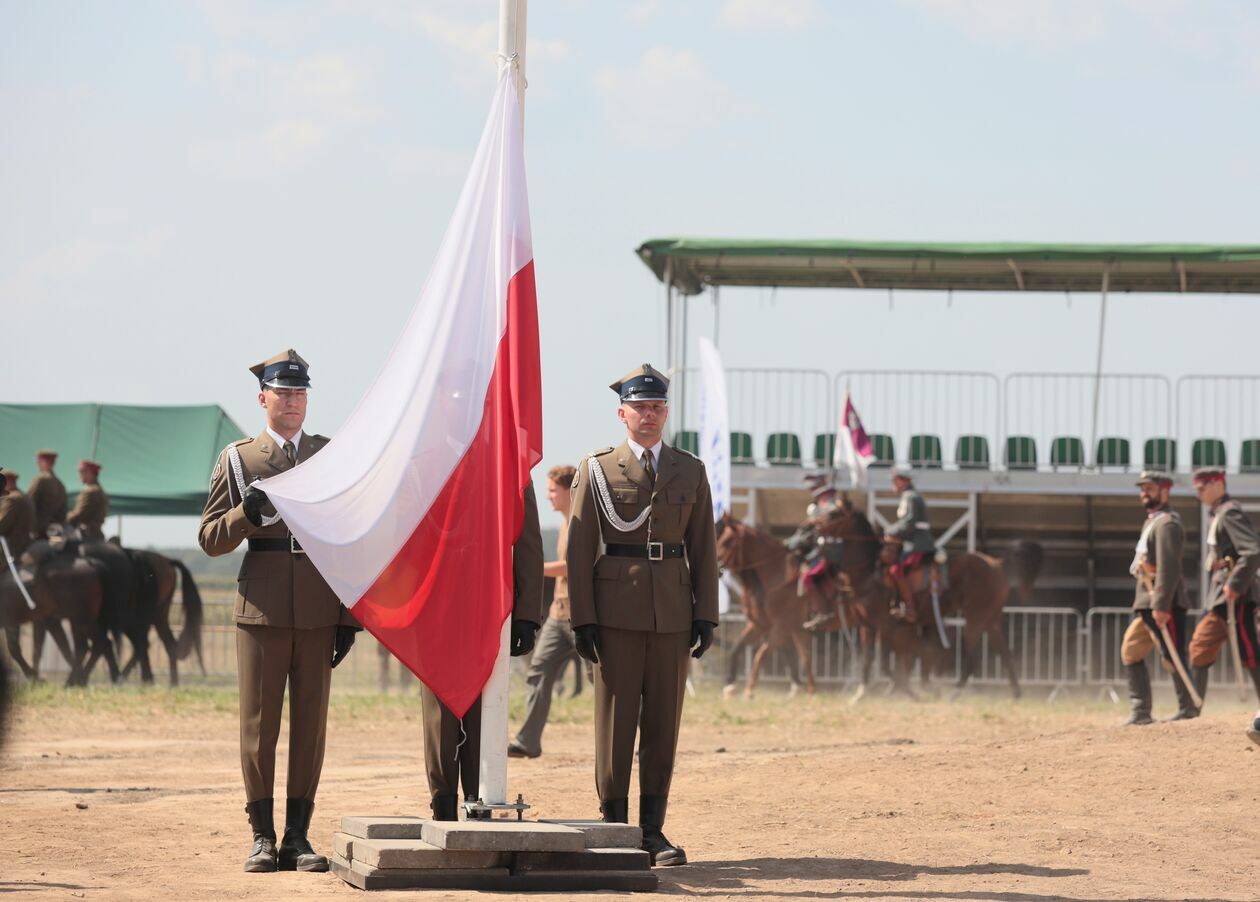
(854,451)
(410,512)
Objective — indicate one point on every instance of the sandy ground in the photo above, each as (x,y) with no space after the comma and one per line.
(136,794)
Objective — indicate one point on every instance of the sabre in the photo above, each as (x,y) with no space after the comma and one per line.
(1231,618)
(8,556)
(936,612)
(1149,584)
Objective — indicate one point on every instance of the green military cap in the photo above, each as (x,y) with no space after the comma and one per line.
(1158,477)
(644,383)
(285,370)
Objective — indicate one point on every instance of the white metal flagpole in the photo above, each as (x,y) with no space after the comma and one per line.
(494,697)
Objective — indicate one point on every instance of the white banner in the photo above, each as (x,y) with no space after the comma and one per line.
(715,439)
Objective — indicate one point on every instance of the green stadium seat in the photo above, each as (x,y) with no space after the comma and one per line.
(687,440)
(1021,452)
(824,448)
(1067,451)
(783,449)
(741,448)
(1250,457)
(925,452)
(1160,454)
(1112,452)
(1207,452)
(885,451)
(972,452)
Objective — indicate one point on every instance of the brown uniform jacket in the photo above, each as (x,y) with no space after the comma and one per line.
(1231,535)
(1162,567)
(48,496)
(273,588)
(527,565)
(633,593)
(90,510)
(17,519)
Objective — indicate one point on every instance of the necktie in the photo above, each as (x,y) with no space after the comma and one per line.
(290,452)
(648,467)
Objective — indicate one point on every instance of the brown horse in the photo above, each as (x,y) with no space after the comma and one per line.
(157,578)
(774,612)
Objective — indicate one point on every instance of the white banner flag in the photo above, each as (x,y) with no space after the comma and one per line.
(715,439)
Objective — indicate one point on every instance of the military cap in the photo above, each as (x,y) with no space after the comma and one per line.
(1158,477)
(285,370)
(46,452)
(644,383)
(1209,474)
(6,473)
(900,473)
(823,491)
(92,465)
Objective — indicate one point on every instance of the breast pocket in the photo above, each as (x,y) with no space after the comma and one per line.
(680,502)
(626,501)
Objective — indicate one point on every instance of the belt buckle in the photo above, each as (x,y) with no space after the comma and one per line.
(294,547)
(656,551)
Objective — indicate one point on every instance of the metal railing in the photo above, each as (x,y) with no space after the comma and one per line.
(1220,409)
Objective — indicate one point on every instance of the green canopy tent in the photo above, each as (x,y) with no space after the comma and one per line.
(155,460)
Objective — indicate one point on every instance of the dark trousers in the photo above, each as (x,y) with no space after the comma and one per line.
(452,748)
(268,658)
(554,649)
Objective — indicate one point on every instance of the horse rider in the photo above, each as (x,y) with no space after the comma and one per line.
(92,506)
(17,515)
(1232,560)
(47,494)
(911,535)
(1159,601)
(650,599)
(820,556)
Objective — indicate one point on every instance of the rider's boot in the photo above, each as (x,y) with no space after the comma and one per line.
(907,611)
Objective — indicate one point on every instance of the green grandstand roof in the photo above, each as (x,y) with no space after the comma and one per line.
(1158,268)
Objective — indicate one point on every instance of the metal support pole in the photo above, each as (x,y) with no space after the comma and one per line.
(669,315)
(717,316)
(1102,323)
(971,522)
(682,368)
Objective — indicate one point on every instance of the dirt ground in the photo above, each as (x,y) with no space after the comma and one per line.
(136,794)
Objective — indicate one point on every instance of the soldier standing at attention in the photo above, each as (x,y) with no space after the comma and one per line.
(47,494)
(1232,559)
(645,602)
(1159,600)
(290,626)
(452,748)
(912,530)
(92,506)
(17,516)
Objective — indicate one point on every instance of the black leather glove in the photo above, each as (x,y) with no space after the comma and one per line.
(342,643)
(253,501)
(586,640)
(701,637)
(523,634)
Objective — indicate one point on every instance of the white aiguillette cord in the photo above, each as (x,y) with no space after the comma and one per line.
(605,500)
(234,458)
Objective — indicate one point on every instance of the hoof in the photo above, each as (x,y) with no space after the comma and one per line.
(858,695)
(794,690)
(728,692)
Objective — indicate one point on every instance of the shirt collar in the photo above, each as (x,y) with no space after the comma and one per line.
(639,449)
(280,439)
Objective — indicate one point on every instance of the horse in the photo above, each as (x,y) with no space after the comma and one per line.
(774,611)
(157,577)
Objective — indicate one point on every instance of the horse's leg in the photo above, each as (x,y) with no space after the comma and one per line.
(866,636)
(58,633)
(13,638)
(733,657)
(169,642)
(78,632)
(754,674)
(997,638)
(146,669)
(805,653)
(38,631)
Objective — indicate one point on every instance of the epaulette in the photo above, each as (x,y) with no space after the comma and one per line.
(239,442)
(601,452)
(321,438)
(218,461)
(685,453)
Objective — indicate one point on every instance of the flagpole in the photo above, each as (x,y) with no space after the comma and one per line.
(492,786)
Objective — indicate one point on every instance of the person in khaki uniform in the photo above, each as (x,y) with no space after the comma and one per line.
(92,506)
(555,641)
(452,748)
(642,604)
(1159,600)
(17,515)
(1233,558)
(291,627)
(47,494)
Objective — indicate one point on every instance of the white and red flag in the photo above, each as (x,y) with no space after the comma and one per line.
(410,512)
(854,452)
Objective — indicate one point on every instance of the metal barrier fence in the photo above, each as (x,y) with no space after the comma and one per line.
(1219,409)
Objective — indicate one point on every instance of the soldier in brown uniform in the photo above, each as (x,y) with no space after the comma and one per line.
(291,627)
(1159,600)
(645,602)
(17,515)
(1233,558)
(47,494)
(92,506)
(452,748)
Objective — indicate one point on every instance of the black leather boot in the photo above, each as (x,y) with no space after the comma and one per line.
(652,818)
(1139,695)
(445,808)
(296,853)
(1199,676)
(1186,708)
(263,857)
(615,811)
(1255,679)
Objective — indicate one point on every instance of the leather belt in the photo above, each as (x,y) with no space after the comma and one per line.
(289,544)
(653,551)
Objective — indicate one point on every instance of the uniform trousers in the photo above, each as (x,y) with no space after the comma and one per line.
(1141,635)
(268,657)
(1213,632)
(640,683)
(452,749)
(551,653)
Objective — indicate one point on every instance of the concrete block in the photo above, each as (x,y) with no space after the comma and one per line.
(356,873)
(587,860)
(343,845)
(391,854)
(502,836)
(585,881)
(601,835)
(365,827)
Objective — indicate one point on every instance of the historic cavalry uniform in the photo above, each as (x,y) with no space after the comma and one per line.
(452,750)
(288,623)
(1161,586)
(639,604)
(90,508)
(914,532)
(17,517)
(48,496)
(1232,560)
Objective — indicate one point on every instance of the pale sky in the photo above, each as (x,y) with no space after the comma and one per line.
(187,188)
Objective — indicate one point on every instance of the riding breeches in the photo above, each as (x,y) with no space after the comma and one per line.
(1213,632)
(1143,635)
